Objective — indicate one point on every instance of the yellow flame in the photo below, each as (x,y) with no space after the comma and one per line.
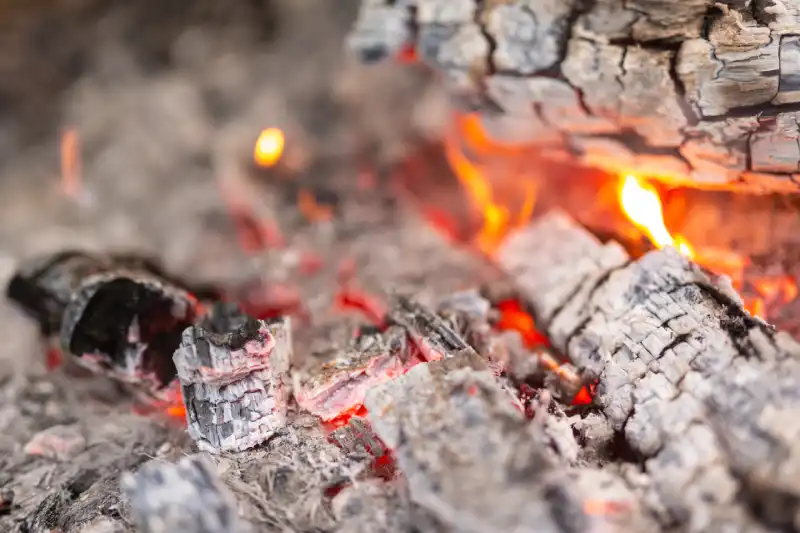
(269,147)
(641,204)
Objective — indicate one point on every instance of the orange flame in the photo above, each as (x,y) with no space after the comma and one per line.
(497,218)
(269,147)
(641,204)
(70,163)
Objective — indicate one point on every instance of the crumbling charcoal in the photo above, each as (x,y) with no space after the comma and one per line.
(234,373)
(380,31)
(185,497)
(430,333)
(357,437)
(127,324)
(330,388)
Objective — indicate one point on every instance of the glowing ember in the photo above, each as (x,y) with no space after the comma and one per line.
(514,317)
(311,209)
(373,309)
(70,163)
(641,204)
(269,147)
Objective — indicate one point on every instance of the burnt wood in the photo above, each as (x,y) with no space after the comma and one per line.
(696,93)
(234,375)
(702,394)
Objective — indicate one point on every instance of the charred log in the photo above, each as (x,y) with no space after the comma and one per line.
(127,324)
(234,377)
(696,388)
(695,93)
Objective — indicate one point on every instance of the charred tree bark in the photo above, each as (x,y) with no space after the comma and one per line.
(702,393)
(696,93)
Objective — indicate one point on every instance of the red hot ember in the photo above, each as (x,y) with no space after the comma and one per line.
(337,385)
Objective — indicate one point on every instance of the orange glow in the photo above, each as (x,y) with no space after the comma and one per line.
(497,218)
(513,317)
(269,147)
(70,163)
(773,291)
(311,209)
(642,206)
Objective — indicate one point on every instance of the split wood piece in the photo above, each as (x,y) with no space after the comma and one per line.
(126,324)
(696,93)
(186,497)
(473,461)
(704,393)
(329,387)
(234,374)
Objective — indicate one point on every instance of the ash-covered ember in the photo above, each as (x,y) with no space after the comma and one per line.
(329,388)
(60,443)
(233,371)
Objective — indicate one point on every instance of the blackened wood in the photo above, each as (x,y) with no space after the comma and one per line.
(186,497)
(234,374)
(699,390)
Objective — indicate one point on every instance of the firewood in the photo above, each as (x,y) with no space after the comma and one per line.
(701,392)
(234,373)
(696,93)
(186,497)
(473,461)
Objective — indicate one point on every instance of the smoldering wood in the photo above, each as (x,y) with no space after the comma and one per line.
(474,463)
(335,383)
(699,390)
(685,92)
(234,375)
(187,497)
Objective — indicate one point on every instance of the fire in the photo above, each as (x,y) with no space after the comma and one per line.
(70,163)
(642,205)
(498,219)
(269,147)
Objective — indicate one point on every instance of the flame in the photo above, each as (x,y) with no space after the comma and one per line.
(497,217)
(641,204)
(269,147)
(70,163)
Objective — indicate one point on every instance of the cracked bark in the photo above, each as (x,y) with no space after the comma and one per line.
(695,93)
(702,393)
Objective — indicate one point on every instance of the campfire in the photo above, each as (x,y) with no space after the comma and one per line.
(571,306)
